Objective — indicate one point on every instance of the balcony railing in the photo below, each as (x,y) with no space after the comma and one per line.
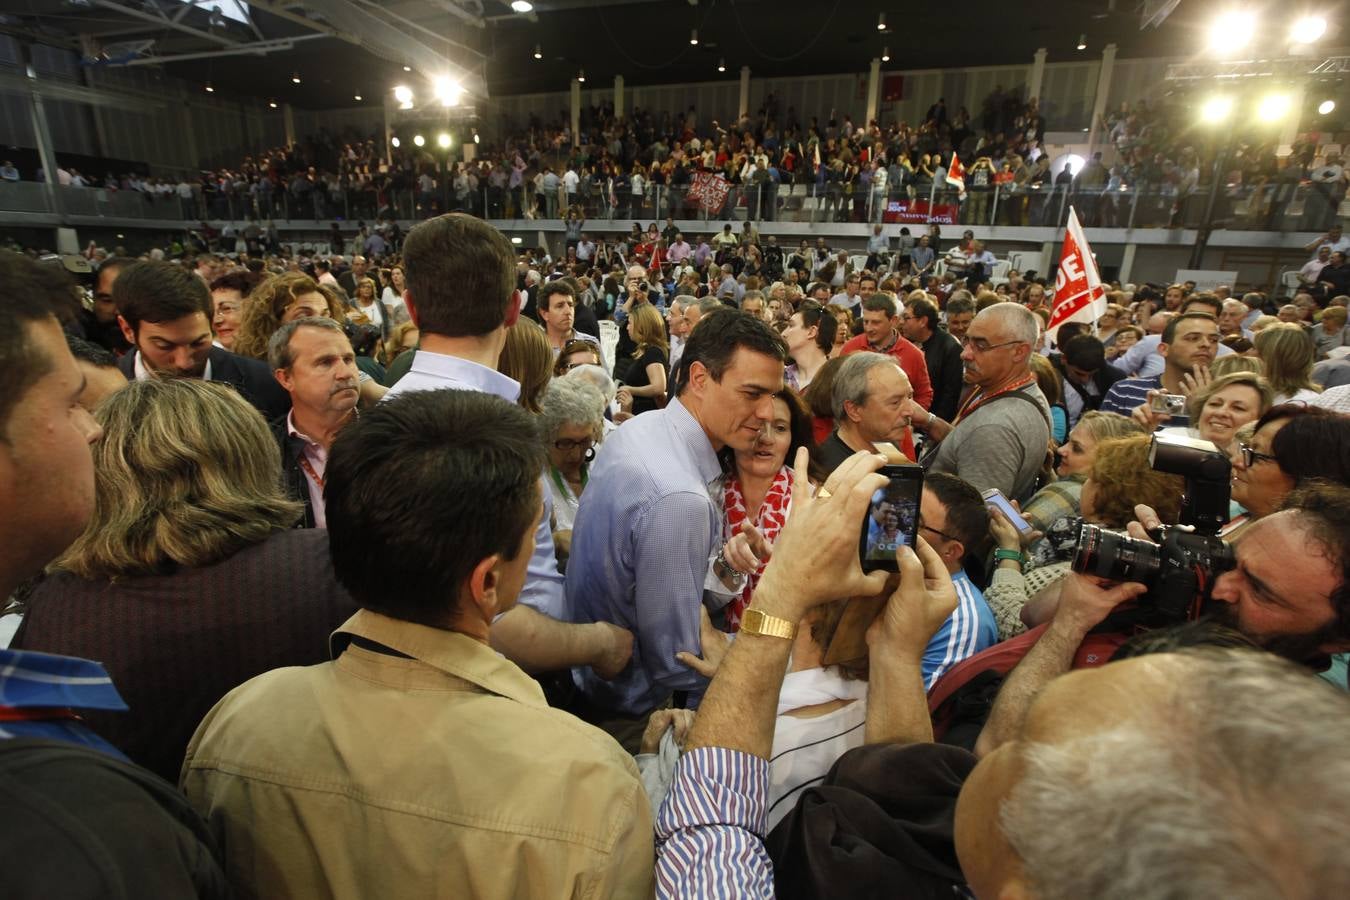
(1283,207)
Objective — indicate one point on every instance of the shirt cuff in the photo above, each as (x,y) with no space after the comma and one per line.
(716,786)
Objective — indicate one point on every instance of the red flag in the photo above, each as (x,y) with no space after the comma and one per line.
(1079,294)
(656,257)
(956,174)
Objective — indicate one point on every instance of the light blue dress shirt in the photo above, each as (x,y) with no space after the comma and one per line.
(647,528)
(543,590)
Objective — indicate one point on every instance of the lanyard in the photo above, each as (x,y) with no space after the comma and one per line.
(978,398)
(309,470)
(36,713)
(562,486)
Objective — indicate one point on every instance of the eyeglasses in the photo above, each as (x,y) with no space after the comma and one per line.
(566,446)
(980,345)
(941,534)
(1250,457)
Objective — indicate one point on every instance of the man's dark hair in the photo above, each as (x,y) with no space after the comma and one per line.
(1070,330)
(1084,352)
(1324,507)
(921,308)
(461,273)
(1170,331)
(159,292)
(548,290)
(1313,444)
(967,514)
(959,305)
(715,341)
(439,481)
(34,293)
(880,303)
(242,282)
(1202,299)
(93,354)
(865,276)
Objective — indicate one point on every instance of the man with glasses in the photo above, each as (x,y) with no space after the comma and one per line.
(954,520)
(1001,432)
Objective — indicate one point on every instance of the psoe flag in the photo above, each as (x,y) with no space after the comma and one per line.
(1079,295)
(956,174)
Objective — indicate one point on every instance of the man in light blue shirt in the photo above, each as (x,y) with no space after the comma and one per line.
(650,523)
(461,294)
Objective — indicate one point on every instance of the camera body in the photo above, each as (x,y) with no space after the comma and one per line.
(1181,567)
(363,337)
(1168,404)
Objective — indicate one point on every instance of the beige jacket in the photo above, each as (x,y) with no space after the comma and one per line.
(441,775)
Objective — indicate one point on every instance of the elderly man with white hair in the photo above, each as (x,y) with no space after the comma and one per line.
(1001,433)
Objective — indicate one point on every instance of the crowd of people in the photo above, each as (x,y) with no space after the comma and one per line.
(543,574)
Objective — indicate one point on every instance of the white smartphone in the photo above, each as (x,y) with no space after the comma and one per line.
(994,497)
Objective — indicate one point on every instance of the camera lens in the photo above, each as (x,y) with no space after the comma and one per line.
(1110,554)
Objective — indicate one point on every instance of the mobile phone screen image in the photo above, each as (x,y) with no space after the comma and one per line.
(892,518)
(994,497)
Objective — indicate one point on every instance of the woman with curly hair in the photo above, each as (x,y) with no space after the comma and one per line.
(190,577)
(276,301)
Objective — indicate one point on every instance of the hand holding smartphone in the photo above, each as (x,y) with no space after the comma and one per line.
(994,499)
(892,518)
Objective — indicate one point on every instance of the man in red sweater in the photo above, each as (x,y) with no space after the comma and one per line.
(881,334)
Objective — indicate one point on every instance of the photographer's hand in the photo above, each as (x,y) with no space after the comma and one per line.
(1146,519)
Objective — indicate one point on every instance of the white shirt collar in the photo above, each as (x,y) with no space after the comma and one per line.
(142,373)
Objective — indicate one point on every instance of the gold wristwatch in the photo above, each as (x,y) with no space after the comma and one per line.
(754,621)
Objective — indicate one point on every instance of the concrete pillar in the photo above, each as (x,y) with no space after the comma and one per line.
(41,132)
(873,92)
(1037,75)
(1127,262)
(1049,261)
(1103,91)
(743,109)
(618,96)
(576,112)
(288,122)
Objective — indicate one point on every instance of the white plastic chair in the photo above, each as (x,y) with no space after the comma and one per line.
(1000,274)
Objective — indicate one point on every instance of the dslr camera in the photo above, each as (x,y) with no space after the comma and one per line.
(1181,567)
(364,337)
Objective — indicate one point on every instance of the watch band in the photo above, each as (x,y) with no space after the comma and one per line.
(755,621)
(1003,553)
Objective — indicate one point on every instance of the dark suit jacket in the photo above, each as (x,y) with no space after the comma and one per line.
(292,475)
(1103,378)
(942,354)
(250,377)
(347,281)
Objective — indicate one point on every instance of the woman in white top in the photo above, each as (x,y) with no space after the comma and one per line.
(392,298)
(571,413)
(1288,353)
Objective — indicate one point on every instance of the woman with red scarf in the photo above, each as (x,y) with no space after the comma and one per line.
(758,491)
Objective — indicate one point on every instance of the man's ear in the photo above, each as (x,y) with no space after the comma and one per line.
(283,377)
(513,308)
(482,587)
(127,331)
(850,408)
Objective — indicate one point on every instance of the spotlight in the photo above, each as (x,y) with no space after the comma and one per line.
(356,97)
(404,95)
(447,90)
(881,21)
(693,36)
(1326,107)
(721,65)
(1082,42)
(475,137)
(1307,29)
(516,240)
(1273,107)
(272,104)
(407,68)
(1232,30)
(1216,109)
(295,78)
(419,141)
(443,139)
(885,54)
(538,52)
(522,6)
(581,76)
(209,89)
(395,142)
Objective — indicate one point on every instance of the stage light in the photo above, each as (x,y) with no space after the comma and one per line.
(419,141)
(272,104)
(522,6)
(404,95)
(443,139)
(356,97)
(1326,107)
(447,90)
(516,240)
(885,54)
(1307,29)
(395,142)
(295,79)
(1082,42)
(1216,109)
(209,89)
(407,68)
(881,21)
(721,65)
(581,76)
(1232,30)
(476,138)
(1273,107)
(538,52)
(693,36)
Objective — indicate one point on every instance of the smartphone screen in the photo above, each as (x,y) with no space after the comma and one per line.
(994,497)
(892,518)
